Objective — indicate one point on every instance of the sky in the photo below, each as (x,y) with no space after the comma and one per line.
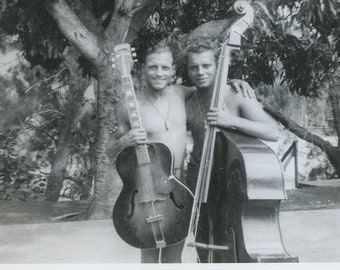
(8,60)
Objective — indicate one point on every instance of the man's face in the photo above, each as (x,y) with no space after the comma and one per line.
(202,68)
(159,70)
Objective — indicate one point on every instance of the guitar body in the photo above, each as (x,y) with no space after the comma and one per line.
(171,200)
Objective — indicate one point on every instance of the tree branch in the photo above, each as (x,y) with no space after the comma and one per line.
(75,31)
(83,10)
(298,130)
(120,21)
(123,15)
(36,84)
(46,111)
(335,103)
(141,13)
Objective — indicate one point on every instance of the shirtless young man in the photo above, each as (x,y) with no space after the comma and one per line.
(238,112)
(162,110)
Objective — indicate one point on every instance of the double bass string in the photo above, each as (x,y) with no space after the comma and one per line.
(232,41)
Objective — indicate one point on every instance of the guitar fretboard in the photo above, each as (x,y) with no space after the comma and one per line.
(134,117)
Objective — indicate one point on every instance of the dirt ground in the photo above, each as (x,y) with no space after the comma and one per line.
(309,220)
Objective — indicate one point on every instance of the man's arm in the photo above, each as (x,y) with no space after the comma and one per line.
(124,136)
(236,85)
(252,120)
(243,87)
(256,122)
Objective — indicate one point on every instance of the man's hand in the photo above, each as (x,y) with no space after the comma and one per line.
(221,118)
(242,86)
(134,137)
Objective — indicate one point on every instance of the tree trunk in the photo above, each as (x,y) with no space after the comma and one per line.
(333,152)
(56,177)
(107,184)
(96,49)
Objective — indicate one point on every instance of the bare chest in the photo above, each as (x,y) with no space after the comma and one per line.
(165,116)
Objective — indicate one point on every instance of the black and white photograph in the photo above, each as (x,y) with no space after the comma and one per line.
(175,132)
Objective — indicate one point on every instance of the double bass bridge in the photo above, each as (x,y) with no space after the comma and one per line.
(208,246)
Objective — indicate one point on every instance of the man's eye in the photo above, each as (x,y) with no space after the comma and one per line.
(206,66)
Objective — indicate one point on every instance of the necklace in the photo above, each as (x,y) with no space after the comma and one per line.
(159,113)
(202,110)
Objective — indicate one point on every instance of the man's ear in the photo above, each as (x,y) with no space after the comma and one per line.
(143,69)
(173,70)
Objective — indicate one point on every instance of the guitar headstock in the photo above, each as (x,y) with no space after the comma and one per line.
(122,58)
(237,29)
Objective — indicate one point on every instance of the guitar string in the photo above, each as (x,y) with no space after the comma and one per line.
(153,210)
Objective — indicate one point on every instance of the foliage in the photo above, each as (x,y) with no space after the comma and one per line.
(304,37)
(42,41)
(20,175)
(30,125)
(299,37)
(172,18)
(295,40)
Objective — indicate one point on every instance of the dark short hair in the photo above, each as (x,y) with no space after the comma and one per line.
(158,48)
(202,45)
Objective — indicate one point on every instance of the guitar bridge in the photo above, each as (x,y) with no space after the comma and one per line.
(154,218)
(152,201)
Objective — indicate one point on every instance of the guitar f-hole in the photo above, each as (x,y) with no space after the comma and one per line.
(132,203)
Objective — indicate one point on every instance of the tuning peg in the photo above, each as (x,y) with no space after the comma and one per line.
(113,65)
(135,60)
(133,49)
(134,54)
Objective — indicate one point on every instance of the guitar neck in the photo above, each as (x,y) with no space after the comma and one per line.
(134,117)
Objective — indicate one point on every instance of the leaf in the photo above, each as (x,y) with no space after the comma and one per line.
(265,10)
(332,7)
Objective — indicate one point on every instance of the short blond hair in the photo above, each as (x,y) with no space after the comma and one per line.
(203,45)
(159,48)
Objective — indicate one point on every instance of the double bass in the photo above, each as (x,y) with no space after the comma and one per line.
(240,182)
(153,207)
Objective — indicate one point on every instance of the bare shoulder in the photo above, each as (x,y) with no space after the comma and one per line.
(248,108)
(238,97)
(182,91)
(233,97)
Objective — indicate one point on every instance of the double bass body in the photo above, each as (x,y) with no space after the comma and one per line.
(243,202)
